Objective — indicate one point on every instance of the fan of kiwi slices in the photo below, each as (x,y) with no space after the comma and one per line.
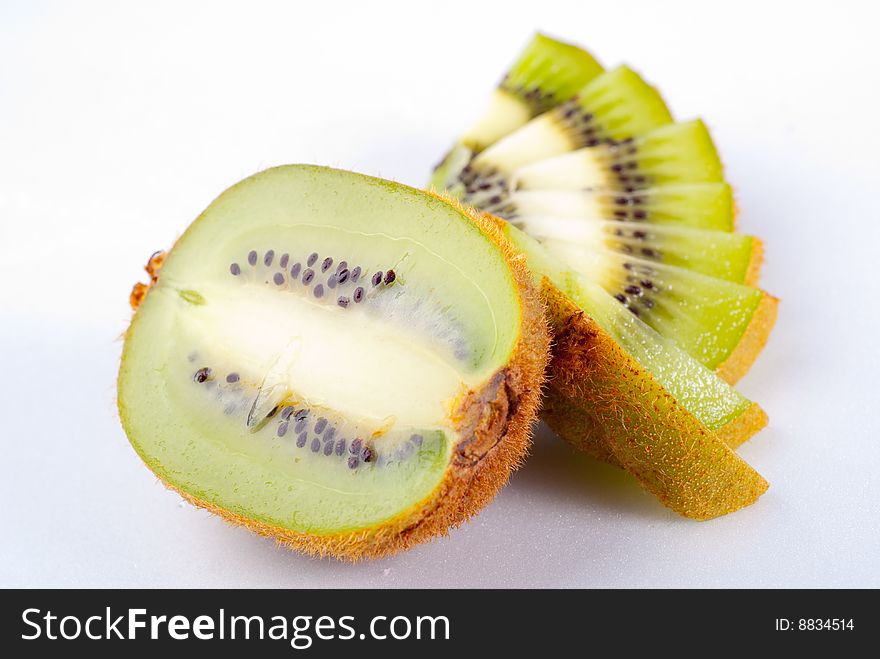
(628,226)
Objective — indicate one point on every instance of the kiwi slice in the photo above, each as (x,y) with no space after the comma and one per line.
(546,73)
(345,364)
(690,205)
(631,397)
(673,153)
(610,108)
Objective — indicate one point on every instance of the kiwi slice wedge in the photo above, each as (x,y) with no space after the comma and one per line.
(690,205)
(625,394)
(546,73)
(613,106)
(345,364)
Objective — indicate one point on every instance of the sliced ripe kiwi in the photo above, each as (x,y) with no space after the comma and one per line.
(546,73)
(710,318)
(730,256)
(612,107)
(626,395)
(673,153)
(342,363)
(689,205)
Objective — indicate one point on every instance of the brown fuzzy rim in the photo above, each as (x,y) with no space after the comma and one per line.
(628,418)
(495,422)
(752,341)
(753,270)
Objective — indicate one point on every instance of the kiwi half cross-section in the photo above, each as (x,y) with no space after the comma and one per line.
(546,73)
(628,396)
(345,364)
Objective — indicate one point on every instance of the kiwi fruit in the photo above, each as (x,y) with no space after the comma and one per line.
(628,226)
(345,364)
(628,396)
(546,73)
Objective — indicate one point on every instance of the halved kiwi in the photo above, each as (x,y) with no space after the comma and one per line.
(625,394)
(546,73)
(345,364)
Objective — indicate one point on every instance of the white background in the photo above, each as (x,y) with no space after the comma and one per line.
(120,121)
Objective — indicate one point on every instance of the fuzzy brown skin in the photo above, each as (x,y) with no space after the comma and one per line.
(635,423)
(495,423)
(752,341)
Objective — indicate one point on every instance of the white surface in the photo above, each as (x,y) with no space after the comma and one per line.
(119,122)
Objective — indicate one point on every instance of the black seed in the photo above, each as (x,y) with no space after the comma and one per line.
(342,266)
(619,297)
(647,251)
(278,278)
(635,312)
(294,271)
(390,277)
(286,412)
(621,201)
(284,260)
(358,294)
(331,281)
(484,186)
(641,235)
(356,446)
(267,260)
(495,200)
(343,302)
(319,427)
(301,439)
(202,375)
(416,439)
(342,276)
(308,275)
(592,142)
(639,179)
(325,265)
(616,168)
(252,257)
(232,377)
(631,165)
(328,448)
(647,283)
(340,446)
(633,290)
(312,258)
(316,445)
(282,429)
(377,278)
(620,214)
(235,269)
(319,291)
(627,266)
(640,215)
(301,414)
(330,433)
(301,425)
(353,462)
(356,273)
(367,454)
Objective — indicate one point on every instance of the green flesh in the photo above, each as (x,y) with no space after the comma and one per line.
(671,154)
(387,370)
(547,73)
(696,205)
(555,69)
(706,316)
(709,398)
(616,105)
(714,253)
